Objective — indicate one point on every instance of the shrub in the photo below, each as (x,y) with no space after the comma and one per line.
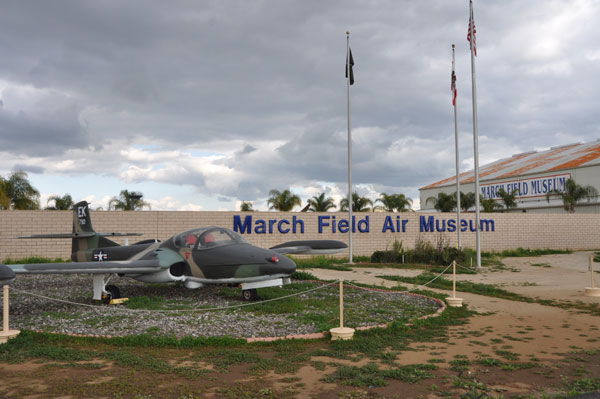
(389,256)
(425,252)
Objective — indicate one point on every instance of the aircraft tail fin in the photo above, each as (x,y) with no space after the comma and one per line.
(84,237)
(82,222)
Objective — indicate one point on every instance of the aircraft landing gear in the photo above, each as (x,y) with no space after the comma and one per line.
(250,295)
(102,290)
(112,292)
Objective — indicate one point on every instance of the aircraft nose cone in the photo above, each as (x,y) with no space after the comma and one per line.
(6,275)
(279,264)
(286,265)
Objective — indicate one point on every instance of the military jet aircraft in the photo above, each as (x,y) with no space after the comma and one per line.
(205,255)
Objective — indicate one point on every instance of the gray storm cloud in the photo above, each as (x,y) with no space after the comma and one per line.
(261,84)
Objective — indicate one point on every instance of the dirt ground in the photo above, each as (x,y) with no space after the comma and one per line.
(560,278)
(564,343)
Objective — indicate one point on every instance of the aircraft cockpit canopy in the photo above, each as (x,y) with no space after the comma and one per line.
(208,237)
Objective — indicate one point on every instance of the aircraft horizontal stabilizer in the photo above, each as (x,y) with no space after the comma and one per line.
(310,247)
(292,249)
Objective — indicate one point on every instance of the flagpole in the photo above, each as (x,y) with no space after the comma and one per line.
(454,98)
(475,135)
(349,149)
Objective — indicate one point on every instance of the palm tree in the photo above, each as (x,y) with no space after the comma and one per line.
(283,201)
(359,204)
(509,200)
(572,194)
(443,202)
(403,204)
(63,203)
(394,202)
(16,192)
(246,207)
(488,204)
(320,203)
(127,201)
(466,200)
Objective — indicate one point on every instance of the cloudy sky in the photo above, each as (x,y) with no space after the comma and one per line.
(202,104)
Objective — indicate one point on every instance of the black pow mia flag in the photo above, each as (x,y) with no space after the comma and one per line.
(349,67)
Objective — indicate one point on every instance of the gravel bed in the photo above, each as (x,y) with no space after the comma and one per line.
(30,312)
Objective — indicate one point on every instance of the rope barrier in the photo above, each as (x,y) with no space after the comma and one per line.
(196,309)
(464,267)
(173,310)
(412,289)
(222,307)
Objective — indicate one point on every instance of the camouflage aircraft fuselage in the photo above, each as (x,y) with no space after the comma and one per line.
(206,254)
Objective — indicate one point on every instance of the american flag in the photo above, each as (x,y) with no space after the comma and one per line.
(472,23)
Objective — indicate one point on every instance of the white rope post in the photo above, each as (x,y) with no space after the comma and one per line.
(593,290)
(454,301)
(453,279)
(592,269)
(6,333)
(341,332)
(342,303)
(5,313)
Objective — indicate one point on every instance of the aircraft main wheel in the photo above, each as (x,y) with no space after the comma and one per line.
(250,295)
(113,293)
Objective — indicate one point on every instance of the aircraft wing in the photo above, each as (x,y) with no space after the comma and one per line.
(107,267)
(310,247)
(81,235)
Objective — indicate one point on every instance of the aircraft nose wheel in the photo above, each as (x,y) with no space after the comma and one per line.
(113,293)
(250,295)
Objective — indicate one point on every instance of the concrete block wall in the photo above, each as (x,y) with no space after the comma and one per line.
(511,230)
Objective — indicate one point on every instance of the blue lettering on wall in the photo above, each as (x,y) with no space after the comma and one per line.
(343,226)
(451,225)
(296,222)
(426,224)
(271,224)
(463,225)
(281,222)
(323,222)
(260,227)
(363,225)
(388,225)
(487,223)
(329,224)
(442,227)
(242,228)
(472,225)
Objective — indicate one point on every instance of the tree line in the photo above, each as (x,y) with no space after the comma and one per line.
(285,201)
(16,192)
